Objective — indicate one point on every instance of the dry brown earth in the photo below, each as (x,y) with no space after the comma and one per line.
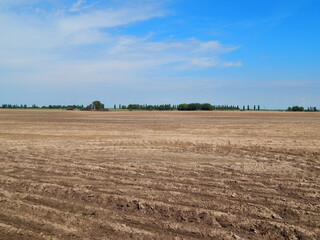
(159,175)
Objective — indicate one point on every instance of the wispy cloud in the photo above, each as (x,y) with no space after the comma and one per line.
(77,6)
(290,83)
(74,45)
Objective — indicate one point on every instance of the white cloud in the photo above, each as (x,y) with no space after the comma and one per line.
(80,6)
(232,64)
(290,83)
(76,6)
(81,46)
(100,19)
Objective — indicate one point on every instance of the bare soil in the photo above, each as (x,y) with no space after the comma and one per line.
(159,175)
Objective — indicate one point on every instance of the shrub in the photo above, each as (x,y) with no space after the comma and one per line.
(295,109)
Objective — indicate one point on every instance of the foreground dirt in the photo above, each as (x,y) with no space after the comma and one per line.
(159,175)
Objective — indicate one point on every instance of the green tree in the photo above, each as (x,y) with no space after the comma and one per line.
(97,105)
(296,109)
(183,107)
(206,106)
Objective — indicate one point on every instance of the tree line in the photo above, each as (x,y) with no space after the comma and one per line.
(185,107)
(34,106)
(97,105)
(302,109)
(205,107)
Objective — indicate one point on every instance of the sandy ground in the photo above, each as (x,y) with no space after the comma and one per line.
(159,175)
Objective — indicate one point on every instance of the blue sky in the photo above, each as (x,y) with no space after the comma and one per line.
(154,52)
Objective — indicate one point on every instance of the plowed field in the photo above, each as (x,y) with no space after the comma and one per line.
(159,175)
